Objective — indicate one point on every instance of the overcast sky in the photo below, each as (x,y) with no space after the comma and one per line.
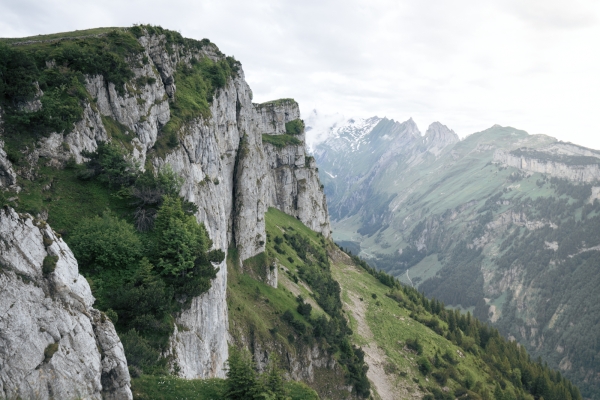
(530,64)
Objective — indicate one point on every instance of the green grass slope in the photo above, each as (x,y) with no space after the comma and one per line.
(517,249)
(418,349)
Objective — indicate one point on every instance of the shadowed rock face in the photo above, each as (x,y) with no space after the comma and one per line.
(53,344)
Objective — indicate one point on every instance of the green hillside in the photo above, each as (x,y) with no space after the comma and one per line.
(514,247)
(415,348)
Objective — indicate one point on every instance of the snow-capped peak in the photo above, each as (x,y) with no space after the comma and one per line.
(320,128)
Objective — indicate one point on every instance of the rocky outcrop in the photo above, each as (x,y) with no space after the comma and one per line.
(293,184)
(227,172)
(53,344)
(8,177)
(272,116)
(439,136)
(7,173)
(578,168)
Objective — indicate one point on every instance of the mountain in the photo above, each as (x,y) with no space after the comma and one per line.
(114,130)
(163,237)
(502,224)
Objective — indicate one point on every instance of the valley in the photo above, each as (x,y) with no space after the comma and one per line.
(162,236)
(502,224)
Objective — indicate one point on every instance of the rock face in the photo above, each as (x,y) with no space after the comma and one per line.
(561,160)
(293,182)
(439,136)
(228,173)
(53,344)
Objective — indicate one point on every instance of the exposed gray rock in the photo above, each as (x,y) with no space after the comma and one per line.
(438,136)
(53,344)
(7,174)
(271,277)
(226,170)
(584,172)
(273,115)
(295,187)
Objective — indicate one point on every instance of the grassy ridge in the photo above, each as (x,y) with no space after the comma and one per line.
(270,316)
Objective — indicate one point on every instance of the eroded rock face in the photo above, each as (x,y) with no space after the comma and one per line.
(574,170)
(227,173)
(295,187)
(53,344)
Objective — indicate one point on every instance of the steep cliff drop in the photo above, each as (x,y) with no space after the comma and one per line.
(218,144)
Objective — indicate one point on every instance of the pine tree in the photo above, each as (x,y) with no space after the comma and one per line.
(272,381)
(241,380)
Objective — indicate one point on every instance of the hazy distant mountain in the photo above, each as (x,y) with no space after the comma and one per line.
(503,224)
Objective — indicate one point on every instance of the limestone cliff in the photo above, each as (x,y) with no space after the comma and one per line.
(53,343)
(561,160)
(293,183)
(228,172)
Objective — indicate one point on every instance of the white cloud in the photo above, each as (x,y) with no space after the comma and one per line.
(526,63)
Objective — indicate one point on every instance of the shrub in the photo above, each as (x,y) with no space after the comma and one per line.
(49,351)
(280,141)
(49,264)
(295,127)
(107,242)
(139,353)
(112,315)
(109,164)
(303,309)
(424,365)
(415,345)
(149,191)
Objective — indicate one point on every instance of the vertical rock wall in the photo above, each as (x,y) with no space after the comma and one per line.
(294,186)
(228,173)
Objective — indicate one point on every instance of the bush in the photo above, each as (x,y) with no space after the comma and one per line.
(49,264)
(49,351)
(424,365)
(280,141)
(139,353)
(295,127)
(107,242)
(303,309)
(109,164)
(415,345)
(149,191)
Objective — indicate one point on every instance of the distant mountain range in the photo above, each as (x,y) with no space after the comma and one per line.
(503,224)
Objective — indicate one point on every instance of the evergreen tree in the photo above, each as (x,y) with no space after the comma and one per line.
(241,377)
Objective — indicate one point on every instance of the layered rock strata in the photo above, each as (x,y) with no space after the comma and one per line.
(586,171)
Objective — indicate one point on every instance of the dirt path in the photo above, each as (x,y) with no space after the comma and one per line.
(387,386)
(374,356)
